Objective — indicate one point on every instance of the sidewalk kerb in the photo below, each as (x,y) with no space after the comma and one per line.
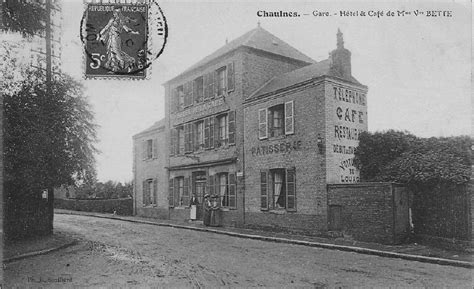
(420,258)
(40,252)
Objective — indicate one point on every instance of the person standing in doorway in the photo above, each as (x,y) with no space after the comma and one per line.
(207,209)
(194,204)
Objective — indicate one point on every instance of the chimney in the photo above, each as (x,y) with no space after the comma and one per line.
(341,59)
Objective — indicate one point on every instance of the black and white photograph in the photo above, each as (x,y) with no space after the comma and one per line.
(236,144)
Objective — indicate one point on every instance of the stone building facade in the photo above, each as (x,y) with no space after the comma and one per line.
(149,172)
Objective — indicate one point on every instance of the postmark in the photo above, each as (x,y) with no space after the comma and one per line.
(121,40)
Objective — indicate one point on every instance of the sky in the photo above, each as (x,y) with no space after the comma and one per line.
(417,68)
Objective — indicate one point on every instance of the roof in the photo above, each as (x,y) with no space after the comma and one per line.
(257,38)
(156,126)
(297,76)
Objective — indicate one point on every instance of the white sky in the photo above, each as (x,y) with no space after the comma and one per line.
(418,69)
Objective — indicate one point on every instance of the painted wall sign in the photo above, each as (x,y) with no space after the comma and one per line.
(349,95)
(349,118)
(201,110)
(283,147)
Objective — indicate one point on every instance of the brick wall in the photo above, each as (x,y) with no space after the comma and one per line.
(259,67)
(252,70)
(367,211)
(443,211)
(309,163)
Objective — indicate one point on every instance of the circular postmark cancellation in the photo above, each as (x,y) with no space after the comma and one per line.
(121,40)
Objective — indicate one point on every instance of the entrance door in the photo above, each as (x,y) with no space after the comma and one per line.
(199,188)
(335,218)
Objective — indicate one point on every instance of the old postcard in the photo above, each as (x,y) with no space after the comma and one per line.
(235,144)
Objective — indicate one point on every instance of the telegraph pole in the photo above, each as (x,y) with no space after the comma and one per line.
(48,46)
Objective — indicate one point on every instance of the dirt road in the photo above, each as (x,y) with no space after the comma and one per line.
(113,253)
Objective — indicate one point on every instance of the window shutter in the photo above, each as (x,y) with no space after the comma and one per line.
(172,141)
(211,185)
(187,93)
(230,77)
(155,190)
(291,189)
(185,196)
(216,185)
(171,194)
(173,99)
(212,84)
(195,134)
(232,191)
(176,192)
(155,148)
(195,91)
(144,195)
(289,118)
(262,123)
(263,190)
(186,135)
(206,86)
(144,150)
(231,119)
(191,137)
(206,133)
(212,134)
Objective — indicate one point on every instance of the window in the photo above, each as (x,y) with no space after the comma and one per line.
(277,189)
(276,120)
(178,191)
(221,81)
(180,92)
(223,189)
(180,140)
(222,129)
(224,186)
(149,192)
(198,89)
(199,135)
(150,149)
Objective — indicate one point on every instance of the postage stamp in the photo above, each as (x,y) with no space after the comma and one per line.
(122,39)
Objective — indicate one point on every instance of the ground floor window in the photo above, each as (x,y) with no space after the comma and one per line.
(179,192)
(149,192)
(278,189)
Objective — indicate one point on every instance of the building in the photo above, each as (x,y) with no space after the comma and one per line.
(301,130)
(205,120)
(271,134)
(149,172)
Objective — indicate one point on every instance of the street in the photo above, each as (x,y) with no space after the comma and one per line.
(112,253)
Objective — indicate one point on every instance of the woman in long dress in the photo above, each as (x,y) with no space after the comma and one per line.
(110,35)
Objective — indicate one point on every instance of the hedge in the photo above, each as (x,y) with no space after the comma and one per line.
(119,206)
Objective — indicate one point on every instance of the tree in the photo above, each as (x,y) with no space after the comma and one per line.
(49,138)
(25,17)
(402,157)
(377,150)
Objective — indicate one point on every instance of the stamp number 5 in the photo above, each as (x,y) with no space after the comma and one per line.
(97,58)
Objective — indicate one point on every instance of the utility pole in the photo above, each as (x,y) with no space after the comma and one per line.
(48,46)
